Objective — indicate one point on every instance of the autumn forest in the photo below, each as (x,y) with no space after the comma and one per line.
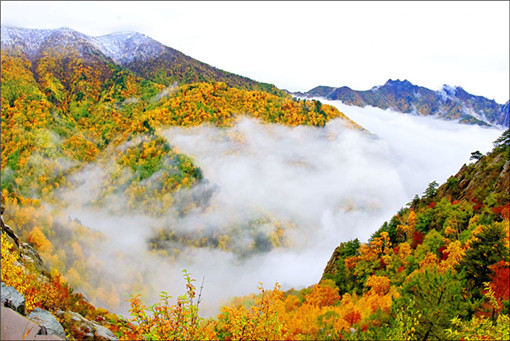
(438,269)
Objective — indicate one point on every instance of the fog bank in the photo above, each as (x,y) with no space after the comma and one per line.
(322,185)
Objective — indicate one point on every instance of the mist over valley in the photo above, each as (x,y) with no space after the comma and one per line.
(149,195)
(310,188)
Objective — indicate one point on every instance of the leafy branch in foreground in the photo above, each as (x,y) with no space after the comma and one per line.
(164,321)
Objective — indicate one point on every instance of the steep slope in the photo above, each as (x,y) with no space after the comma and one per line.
(33,292)
(451,103)
(143,55)
(445,255)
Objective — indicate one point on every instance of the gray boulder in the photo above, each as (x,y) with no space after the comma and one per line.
(103,333)
(17,327)
(13,299)
(46,319)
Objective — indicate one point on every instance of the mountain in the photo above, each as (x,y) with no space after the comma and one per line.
(134,51)
(84,93)
(70,105)
(450,103)
(82,128)
(443,260)
(33,43)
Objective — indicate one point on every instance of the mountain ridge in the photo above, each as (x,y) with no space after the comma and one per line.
(450,102)
(160,63)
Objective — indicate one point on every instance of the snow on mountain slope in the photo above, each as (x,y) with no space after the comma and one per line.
(29,41)
(123,47)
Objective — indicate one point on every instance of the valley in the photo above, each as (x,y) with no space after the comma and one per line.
(123,169)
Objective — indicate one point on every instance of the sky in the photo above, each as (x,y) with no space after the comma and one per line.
(298,45)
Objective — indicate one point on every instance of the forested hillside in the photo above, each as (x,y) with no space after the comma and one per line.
(438,269)
(441,262)
(66,109)
(65,112)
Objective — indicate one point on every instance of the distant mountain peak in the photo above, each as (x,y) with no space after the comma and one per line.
(391,82)
(450,102)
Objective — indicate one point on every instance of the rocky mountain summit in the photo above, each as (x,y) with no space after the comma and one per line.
(450,103)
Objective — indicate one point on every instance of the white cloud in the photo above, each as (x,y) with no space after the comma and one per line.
(432,149)
(324,185)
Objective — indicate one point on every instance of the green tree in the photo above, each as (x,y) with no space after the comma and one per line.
(503,140)
(438,299)
(476,155)
(337,271)
(487,249)
(431,190)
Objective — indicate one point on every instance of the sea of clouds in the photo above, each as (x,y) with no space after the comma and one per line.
(333,183)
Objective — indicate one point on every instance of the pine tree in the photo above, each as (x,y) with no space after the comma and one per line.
(487,249)
(431,190)
(437,298)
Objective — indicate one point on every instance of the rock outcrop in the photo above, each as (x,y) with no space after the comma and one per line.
(45,319)
(5,228)
(88,330)
(11,298)
(30,256)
